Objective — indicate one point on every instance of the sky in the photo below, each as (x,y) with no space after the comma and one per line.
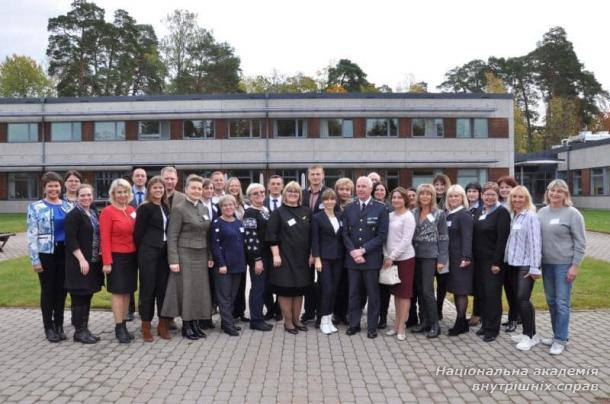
(394,42)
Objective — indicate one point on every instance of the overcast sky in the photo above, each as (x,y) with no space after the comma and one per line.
(393,41)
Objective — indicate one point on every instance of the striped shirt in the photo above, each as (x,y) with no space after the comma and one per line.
(524,247)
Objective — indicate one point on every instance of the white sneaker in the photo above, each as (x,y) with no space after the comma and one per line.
(401,337)
(330,323)
(557,348)
(527,343)
(324,326)
(546,341)
(391,332)
(518,338)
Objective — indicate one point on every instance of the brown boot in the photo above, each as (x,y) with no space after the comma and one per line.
(163,329)
(146,334)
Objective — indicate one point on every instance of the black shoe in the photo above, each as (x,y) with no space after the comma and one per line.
(244,319)
(423,327)
(434,332)
(130,316)
(352,330)
(206,324)
(480,331)
(511,327)
(230,330)
(278,316)
(198,331)
(83,335)
(371,334)
(293,331)
(460,327)
(307,317)
(489,337)
(59,329)
(301,327)
(383,322)
(130,335)
(505,323)
(261,326)
(187,331)
(121,333)
(238,328)
(51,335)
(340,320)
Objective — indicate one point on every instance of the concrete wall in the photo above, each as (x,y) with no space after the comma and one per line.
(589,157)
(591,202)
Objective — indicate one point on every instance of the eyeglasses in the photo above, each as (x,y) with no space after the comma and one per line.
(292,191)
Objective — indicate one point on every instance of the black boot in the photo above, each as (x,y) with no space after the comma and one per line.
(187,331)
(435,331)
(51,334)
(460,327)
(97,338)
(196,329)
(59,329)
(121,333)
(130,335)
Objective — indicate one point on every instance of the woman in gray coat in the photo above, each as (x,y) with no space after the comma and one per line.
(188,287)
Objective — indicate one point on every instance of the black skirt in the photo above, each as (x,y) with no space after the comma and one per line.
(286,291)
(123,278)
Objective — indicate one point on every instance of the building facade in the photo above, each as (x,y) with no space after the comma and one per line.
(407,138)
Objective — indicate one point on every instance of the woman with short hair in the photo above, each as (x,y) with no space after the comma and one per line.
(344,188)
(72,180)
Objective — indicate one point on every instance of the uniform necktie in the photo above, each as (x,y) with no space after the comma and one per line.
(139,197)
(274,204)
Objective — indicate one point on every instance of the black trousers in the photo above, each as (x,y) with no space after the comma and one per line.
(154,272)
(477,291)
(329,282)
(312,297)
(342,298)
(522,287)
(511,298)
(81,306)
(441,291)
(370,280)
(384,300)
(259,286)
(239,304)
(227,287)
(491,303)
(52,292)
(425,269)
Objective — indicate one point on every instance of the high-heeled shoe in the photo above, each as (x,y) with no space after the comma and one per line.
(187,331)
(293,331)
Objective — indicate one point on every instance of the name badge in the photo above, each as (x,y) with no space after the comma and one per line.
(241,229)
(371,220)
(205,217)
(449,223)
(430,217)
(133,215)
(554,221)
(291,222)
(517,226)
(482,217)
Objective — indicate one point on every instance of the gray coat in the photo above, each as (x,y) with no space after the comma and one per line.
(188,291)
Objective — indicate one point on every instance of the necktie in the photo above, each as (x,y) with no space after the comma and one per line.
(274,204)
(139,197)
(362,206)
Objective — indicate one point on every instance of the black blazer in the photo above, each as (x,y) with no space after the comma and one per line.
(491,235)
(149,225)
(368,229)
(325,243)
(267,203)
(79,235)
(319,206)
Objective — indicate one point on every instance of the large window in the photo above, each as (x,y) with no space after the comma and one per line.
(331,175)
(245,128)
(109,130)
(297,175)
(599,181)
(199,129)
(576,183)
(290,128)
(22,186)
(103,179)
(423,177)
(471,127)
(466,175)
(153,130)
(22,132)
(66,132)
(381,127)
(336,128)
(429,127)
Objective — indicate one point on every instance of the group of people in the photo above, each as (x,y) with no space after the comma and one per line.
(318,247)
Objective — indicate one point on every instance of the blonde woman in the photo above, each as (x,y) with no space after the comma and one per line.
(233,188)
(563,249)
(461,226)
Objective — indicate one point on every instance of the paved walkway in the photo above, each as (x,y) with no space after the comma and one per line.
(15,247)
(306,368)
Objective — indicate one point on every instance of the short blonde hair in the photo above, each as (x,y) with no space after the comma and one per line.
(456,189)
(344,182)
(293,185)
(520,188)
(253,187)
(426,188)
(227,197)
(119,183)
(563,186)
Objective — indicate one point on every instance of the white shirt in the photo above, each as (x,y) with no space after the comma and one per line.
(271,199)
(335,222)
(398,245)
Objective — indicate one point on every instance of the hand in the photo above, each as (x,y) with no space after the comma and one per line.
(495,269)
(440,267)
(464,263)
(84,267)
(356,253)
(210,263)
(572,272)
(174,268)
(533,276)
(223,270)
(277,261)
(387,263)
(318,264)
(37,268)
(258,267)
(107,269)
(359,260)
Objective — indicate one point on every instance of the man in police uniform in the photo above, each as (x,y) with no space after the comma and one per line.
(365,228)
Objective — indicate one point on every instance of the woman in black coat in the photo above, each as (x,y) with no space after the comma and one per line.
(460,225)
(150,237)
(83,262)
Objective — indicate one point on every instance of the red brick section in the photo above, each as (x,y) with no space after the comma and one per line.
(221,128)
(404,127)
(359,127)
(494,173)
(44,132)
(313,128)
(175,129)
(266,128)
(88,131)
(586,181)
(498,127)
(3,132)
(3,185)
(131,130)
(451,173)
(405,177)
(450,130)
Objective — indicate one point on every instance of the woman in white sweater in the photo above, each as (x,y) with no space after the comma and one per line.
(399,251)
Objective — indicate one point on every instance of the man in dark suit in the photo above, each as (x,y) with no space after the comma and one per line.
(311,199)
(138,178)
(169,175)
(275,185)
(365,228)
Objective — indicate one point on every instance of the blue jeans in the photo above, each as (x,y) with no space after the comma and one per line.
(558,292)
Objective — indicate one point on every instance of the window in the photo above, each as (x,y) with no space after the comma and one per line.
(424,177)
(336,128)
(199,129)
(331,175)
(246,177)
(245,128)
(576,183)
(103,179)
(22,186)
(22,132)
(65,131)
(466,175)
(109,131)
(471,127)
(429,127)
(599,181)
(299,176)
(153,130)
(381,127)
(290,128)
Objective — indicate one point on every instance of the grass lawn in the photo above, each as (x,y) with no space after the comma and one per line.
(12,222)
(19,287)
(597,220)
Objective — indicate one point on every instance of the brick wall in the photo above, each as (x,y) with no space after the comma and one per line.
(494,173)
(87,131)
(313,128)
(3,132)
(404,127)
(586,181)
(498,127)
(450,127)
(359,128)
(131,130)
(3,186)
